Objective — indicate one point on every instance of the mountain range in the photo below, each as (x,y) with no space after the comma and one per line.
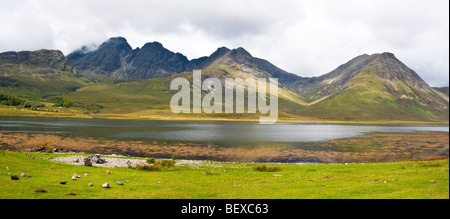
(376,87)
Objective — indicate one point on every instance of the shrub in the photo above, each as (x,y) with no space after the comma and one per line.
(33,105)
(151,160)
(148,167)
(264,168)
(61,102)
(168,163)
(11,100)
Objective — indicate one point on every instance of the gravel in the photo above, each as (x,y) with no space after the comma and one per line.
(110,162)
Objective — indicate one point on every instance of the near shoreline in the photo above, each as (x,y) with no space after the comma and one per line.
(375,147)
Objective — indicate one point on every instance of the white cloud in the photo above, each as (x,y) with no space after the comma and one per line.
(309,38)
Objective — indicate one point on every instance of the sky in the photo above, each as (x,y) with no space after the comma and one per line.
(304,37)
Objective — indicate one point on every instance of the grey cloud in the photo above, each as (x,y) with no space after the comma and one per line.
(309,37)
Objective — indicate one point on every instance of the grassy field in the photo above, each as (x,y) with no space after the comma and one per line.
(215,180)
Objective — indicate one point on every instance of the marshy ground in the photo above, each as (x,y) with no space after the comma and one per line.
(374,147)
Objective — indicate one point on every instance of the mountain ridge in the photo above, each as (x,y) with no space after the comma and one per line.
(367,87)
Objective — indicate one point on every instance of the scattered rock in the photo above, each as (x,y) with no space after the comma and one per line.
(14,177)
(63,182)
(432,181)
(96,159)
(109,162)
(126,181)
(23,174)
(40,191)
(119,183)
(85,174)
(71,194)
(106,186)
(89,184)
(40,149)
(74,178)
(87,161)
(107,172)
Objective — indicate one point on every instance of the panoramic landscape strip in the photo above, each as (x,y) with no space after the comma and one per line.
(243,102)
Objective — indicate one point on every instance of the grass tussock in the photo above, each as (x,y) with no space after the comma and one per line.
(155,165)
(264,168)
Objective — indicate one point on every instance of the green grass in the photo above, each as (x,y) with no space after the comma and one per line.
(151,97)
(214,180)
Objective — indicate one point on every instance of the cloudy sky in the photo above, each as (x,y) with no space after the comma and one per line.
(308,38)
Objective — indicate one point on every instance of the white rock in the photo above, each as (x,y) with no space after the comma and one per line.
(106,185)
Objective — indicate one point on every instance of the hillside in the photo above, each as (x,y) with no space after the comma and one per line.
(41,73)
(150,98)
(380,87)
(444,90)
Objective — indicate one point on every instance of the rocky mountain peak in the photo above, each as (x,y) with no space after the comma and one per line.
(240,54)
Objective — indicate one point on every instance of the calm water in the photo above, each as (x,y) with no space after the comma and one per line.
(200,132)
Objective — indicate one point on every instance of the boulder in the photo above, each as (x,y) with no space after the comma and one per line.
(87,161)
(40,149)
(106,186)
(96,159)
(14,177)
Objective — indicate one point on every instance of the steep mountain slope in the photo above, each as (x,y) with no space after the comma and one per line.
(39,73)
(153,60)
(376,87)
(108,60)
(443,90)
(115,59)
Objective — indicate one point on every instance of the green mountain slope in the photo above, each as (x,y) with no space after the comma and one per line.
(443,90)
(41,73)
(150,97)
(385,89)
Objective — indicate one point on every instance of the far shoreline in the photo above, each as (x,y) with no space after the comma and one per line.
(213,119)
